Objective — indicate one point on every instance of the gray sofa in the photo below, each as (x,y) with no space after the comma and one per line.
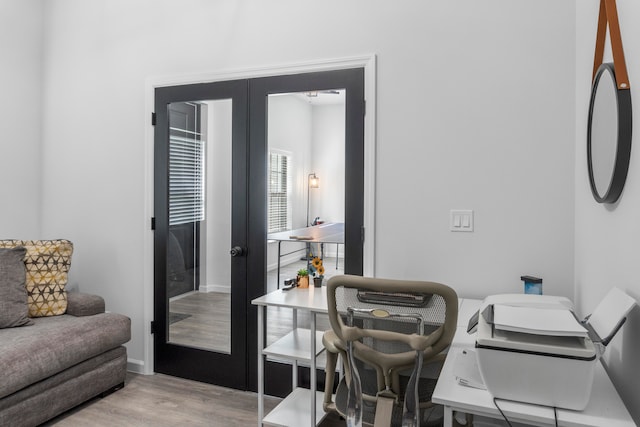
(61,361)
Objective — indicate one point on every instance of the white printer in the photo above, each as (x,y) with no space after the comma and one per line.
(531,348)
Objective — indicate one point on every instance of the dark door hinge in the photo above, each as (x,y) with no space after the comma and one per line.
(153,326)
(153,223)
(362,234)
(153,119)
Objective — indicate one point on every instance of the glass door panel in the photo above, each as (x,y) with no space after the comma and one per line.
(305,188)
(198,261)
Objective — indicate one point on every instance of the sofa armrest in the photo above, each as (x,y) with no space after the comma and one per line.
(81,304)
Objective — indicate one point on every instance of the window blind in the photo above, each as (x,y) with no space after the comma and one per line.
(186,178)
(277,193)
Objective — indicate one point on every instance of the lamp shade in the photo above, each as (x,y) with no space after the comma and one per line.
(314,181)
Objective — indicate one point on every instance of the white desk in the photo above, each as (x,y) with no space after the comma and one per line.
(605,407)
(299,345)
(321,233)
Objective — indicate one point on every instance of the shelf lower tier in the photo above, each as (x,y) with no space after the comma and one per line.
(295,345)
(293,411)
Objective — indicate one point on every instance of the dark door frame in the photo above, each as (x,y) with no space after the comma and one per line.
(366,62)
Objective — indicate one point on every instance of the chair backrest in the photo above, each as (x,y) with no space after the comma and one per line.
(392,320)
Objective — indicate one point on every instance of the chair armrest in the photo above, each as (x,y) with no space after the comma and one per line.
(334,347)
(80,304)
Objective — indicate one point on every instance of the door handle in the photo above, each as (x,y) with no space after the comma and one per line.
(237,251)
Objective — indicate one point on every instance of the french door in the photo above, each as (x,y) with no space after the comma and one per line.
(210,207)
(200,298)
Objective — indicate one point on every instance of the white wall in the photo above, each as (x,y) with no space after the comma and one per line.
(327,160)
(217,227)
(20,117)
(475,109)
(479,119)
(607,236)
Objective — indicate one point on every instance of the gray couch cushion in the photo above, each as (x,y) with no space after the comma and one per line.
(80,304)
(13,294)
(53,344)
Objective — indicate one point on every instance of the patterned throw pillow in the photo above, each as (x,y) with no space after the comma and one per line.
(47,263)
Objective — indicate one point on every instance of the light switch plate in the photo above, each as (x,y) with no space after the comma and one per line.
(461,220)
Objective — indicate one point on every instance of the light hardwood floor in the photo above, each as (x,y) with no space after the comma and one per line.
(208,324)
(162,401)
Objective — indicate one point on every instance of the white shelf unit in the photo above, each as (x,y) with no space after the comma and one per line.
(295,345)
(294,410)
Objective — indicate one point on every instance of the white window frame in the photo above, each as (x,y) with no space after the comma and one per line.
(288,219)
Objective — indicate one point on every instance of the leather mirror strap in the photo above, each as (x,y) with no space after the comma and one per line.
(616,45)
(601,35)
(609,15)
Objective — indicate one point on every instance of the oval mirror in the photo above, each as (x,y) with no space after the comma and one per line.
(608,136)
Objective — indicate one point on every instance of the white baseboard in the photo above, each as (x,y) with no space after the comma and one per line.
(137,366)
(215,288)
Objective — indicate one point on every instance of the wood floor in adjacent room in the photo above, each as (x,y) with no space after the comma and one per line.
(160,400)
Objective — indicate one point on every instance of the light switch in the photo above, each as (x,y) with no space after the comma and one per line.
(461,220)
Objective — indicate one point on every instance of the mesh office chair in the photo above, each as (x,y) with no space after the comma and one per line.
(391,335)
